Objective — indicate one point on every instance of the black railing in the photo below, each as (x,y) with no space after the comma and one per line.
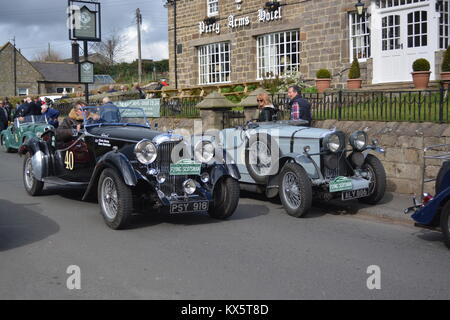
(410,106)
(180,107)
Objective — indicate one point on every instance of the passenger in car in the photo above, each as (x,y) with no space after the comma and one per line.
(266,109)
(73,124)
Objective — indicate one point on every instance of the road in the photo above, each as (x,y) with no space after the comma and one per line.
(260,253)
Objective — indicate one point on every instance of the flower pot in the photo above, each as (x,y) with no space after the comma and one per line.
(322,85)
(445,77)
(421,79)
(353,84)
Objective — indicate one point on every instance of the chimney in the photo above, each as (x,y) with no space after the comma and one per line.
(75,52)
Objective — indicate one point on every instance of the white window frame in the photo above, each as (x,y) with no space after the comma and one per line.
(268,60)
(383,4)
(212,8)
(213,65)
(67,89)
(359,24)
(21,95)
(444,25)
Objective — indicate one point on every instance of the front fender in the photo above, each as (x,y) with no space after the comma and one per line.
(427,214)
(217,171)
(272,183)
(117,161)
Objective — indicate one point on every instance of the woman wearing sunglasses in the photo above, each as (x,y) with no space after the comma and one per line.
(265,107)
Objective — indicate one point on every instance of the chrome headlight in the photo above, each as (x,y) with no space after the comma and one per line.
(204,151)
(333,142)
(145,151)
(358,140)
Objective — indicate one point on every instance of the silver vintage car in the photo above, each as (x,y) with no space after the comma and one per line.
(299,163)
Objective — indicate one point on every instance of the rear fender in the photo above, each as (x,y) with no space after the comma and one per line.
(426,215)
(117,161)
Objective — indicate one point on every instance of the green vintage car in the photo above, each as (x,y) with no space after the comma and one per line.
(22,130)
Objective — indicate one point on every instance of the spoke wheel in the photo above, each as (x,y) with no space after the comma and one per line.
(377,180)
(115,199)
(295,190)
(32,185)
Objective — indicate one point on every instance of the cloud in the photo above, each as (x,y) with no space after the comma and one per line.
(37,23)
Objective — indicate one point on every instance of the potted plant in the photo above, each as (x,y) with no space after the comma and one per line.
(354,76)
(445,68)
(323,80)
(421,73)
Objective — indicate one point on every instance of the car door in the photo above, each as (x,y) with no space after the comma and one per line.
(73,161)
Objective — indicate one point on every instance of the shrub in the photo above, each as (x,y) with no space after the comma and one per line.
(252,87)
(355,72)
(238,88)
(323,74)
(446,61)
(225,90)
(421,65)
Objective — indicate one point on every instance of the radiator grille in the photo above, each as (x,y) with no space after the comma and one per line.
(173,184)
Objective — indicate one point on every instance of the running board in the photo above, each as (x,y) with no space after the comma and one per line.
(62,182)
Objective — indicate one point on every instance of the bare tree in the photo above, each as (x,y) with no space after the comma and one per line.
(48,55)
(112,47)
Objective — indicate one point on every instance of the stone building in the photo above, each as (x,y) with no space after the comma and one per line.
(231,41)
(34,78)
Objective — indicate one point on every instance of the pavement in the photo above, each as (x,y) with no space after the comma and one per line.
(259,253)
(389,209)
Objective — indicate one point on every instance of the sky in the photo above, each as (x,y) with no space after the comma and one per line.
(35,23)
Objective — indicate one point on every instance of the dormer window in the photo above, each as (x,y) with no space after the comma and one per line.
(213,7)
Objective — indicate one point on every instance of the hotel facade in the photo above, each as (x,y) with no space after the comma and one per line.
(216,42)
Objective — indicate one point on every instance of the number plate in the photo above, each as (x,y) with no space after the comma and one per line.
(355,194)
(183,207)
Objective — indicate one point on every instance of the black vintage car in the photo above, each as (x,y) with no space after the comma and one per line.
(132,168)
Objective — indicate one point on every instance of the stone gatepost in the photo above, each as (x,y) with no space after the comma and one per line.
(213,109)
(250,104)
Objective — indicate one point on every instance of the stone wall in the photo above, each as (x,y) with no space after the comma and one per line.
(27,76)
(322,25)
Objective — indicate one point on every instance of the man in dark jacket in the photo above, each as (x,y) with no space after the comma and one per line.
(23,110)
(51,115)
(3,117)
(300,107)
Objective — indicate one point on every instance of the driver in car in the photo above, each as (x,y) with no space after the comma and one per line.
(73,124)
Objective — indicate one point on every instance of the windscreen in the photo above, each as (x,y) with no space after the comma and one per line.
(112,115)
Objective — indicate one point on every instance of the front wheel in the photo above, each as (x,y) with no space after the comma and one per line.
(445,223)
(377,180)
(32,185)
(4,145)
(115,199)
(226,198)
(295,190)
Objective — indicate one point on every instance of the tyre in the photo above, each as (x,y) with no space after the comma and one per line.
(441,174)
(295,190)
(115,199)
(226,198)
(4,147)
(260,157)
(32,186)
(377,176)
(445,223)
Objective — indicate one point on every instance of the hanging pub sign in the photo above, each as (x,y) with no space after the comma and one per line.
(86,72)
(84,21)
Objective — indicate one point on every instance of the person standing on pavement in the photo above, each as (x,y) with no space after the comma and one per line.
(300,107)
(3,117)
